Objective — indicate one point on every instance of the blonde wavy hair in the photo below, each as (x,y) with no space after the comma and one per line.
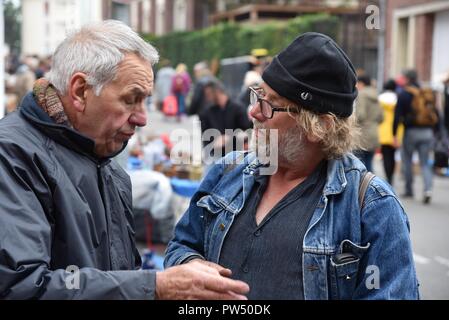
(337,136)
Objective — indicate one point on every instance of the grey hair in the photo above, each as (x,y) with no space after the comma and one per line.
(337,136)
(97,49)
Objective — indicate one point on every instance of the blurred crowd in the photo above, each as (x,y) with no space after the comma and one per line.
(20,75)
(407,123)
(387,118)
(384,117)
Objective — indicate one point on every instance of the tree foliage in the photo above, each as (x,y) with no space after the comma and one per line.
(12,16)
(232,40)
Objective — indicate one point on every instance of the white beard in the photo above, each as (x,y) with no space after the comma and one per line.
(290,147)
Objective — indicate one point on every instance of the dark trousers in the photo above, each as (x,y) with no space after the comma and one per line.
(388,161)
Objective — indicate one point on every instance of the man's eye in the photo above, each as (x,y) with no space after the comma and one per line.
(130,101)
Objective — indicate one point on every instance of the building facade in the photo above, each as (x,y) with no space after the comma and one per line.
(359,42)
(159,17)
(45,23)
(417,37)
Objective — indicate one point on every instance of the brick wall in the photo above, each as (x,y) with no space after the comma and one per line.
(423,55)
(423,40)
(153,16)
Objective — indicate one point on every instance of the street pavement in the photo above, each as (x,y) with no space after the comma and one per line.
(429,231)
(429,224)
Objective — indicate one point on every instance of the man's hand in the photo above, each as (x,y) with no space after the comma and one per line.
(198,280)
(221,270)
(396,143)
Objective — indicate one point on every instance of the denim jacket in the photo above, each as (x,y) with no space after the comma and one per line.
(376,238)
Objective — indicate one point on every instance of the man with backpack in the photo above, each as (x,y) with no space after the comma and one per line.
(416,110)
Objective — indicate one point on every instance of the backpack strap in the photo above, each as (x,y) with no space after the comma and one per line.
(364,183)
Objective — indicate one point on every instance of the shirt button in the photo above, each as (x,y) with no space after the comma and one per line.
(257,233)
(245,269)
(222,226)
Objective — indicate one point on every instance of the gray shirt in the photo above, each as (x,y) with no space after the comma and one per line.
(268,256)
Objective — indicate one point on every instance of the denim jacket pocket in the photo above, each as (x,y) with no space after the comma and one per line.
(211,211)
(344,269)
(210,203)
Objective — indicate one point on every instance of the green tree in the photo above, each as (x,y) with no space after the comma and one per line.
(228,40)
(13,21)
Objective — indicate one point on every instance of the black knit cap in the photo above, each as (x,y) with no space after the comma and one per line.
(314,72)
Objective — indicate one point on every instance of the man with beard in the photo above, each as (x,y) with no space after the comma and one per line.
(309,230)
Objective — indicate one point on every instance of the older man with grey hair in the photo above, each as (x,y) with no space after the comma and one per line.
(66,227)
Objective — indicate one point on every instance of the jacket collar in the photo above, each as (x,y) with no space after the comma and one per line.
(336,173)
(232,195)
(64,135)
(336,178)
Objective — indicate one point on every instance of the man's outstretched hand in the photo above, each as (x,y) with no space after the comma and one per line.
(199,280)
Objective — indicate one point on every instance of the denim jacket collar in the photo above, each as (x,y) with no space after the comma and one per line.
(233,189)
(233,198)
(336,180)
(336,173)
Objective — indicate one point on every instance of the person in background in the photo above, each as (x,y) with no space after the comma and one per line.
(368,115)
(446,101)
(43,68)
(441,146)
(11,101)
(163,83)
(418,136)
(223,113)
(25,77)
(252,79)
(203,75)
(387,100)
(180,87)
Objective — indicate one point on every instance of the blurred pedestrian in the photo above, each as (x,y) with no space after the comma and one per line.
(203,75)
(163,83)
(416,110)
(252,79)
(43,68)
(369,115)
(446,101)
(25,77)
(223,113)
(180,87)
(441,148)
(387,100)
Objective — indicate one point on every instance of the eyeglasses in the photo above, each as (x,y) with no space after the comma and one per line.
(266,107)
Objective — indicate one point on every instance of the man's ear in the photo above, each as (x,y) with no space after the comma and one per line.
(78,91)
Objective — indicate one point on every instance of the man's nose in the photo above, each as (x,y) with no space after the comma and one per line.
(139,117)
(256,113)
